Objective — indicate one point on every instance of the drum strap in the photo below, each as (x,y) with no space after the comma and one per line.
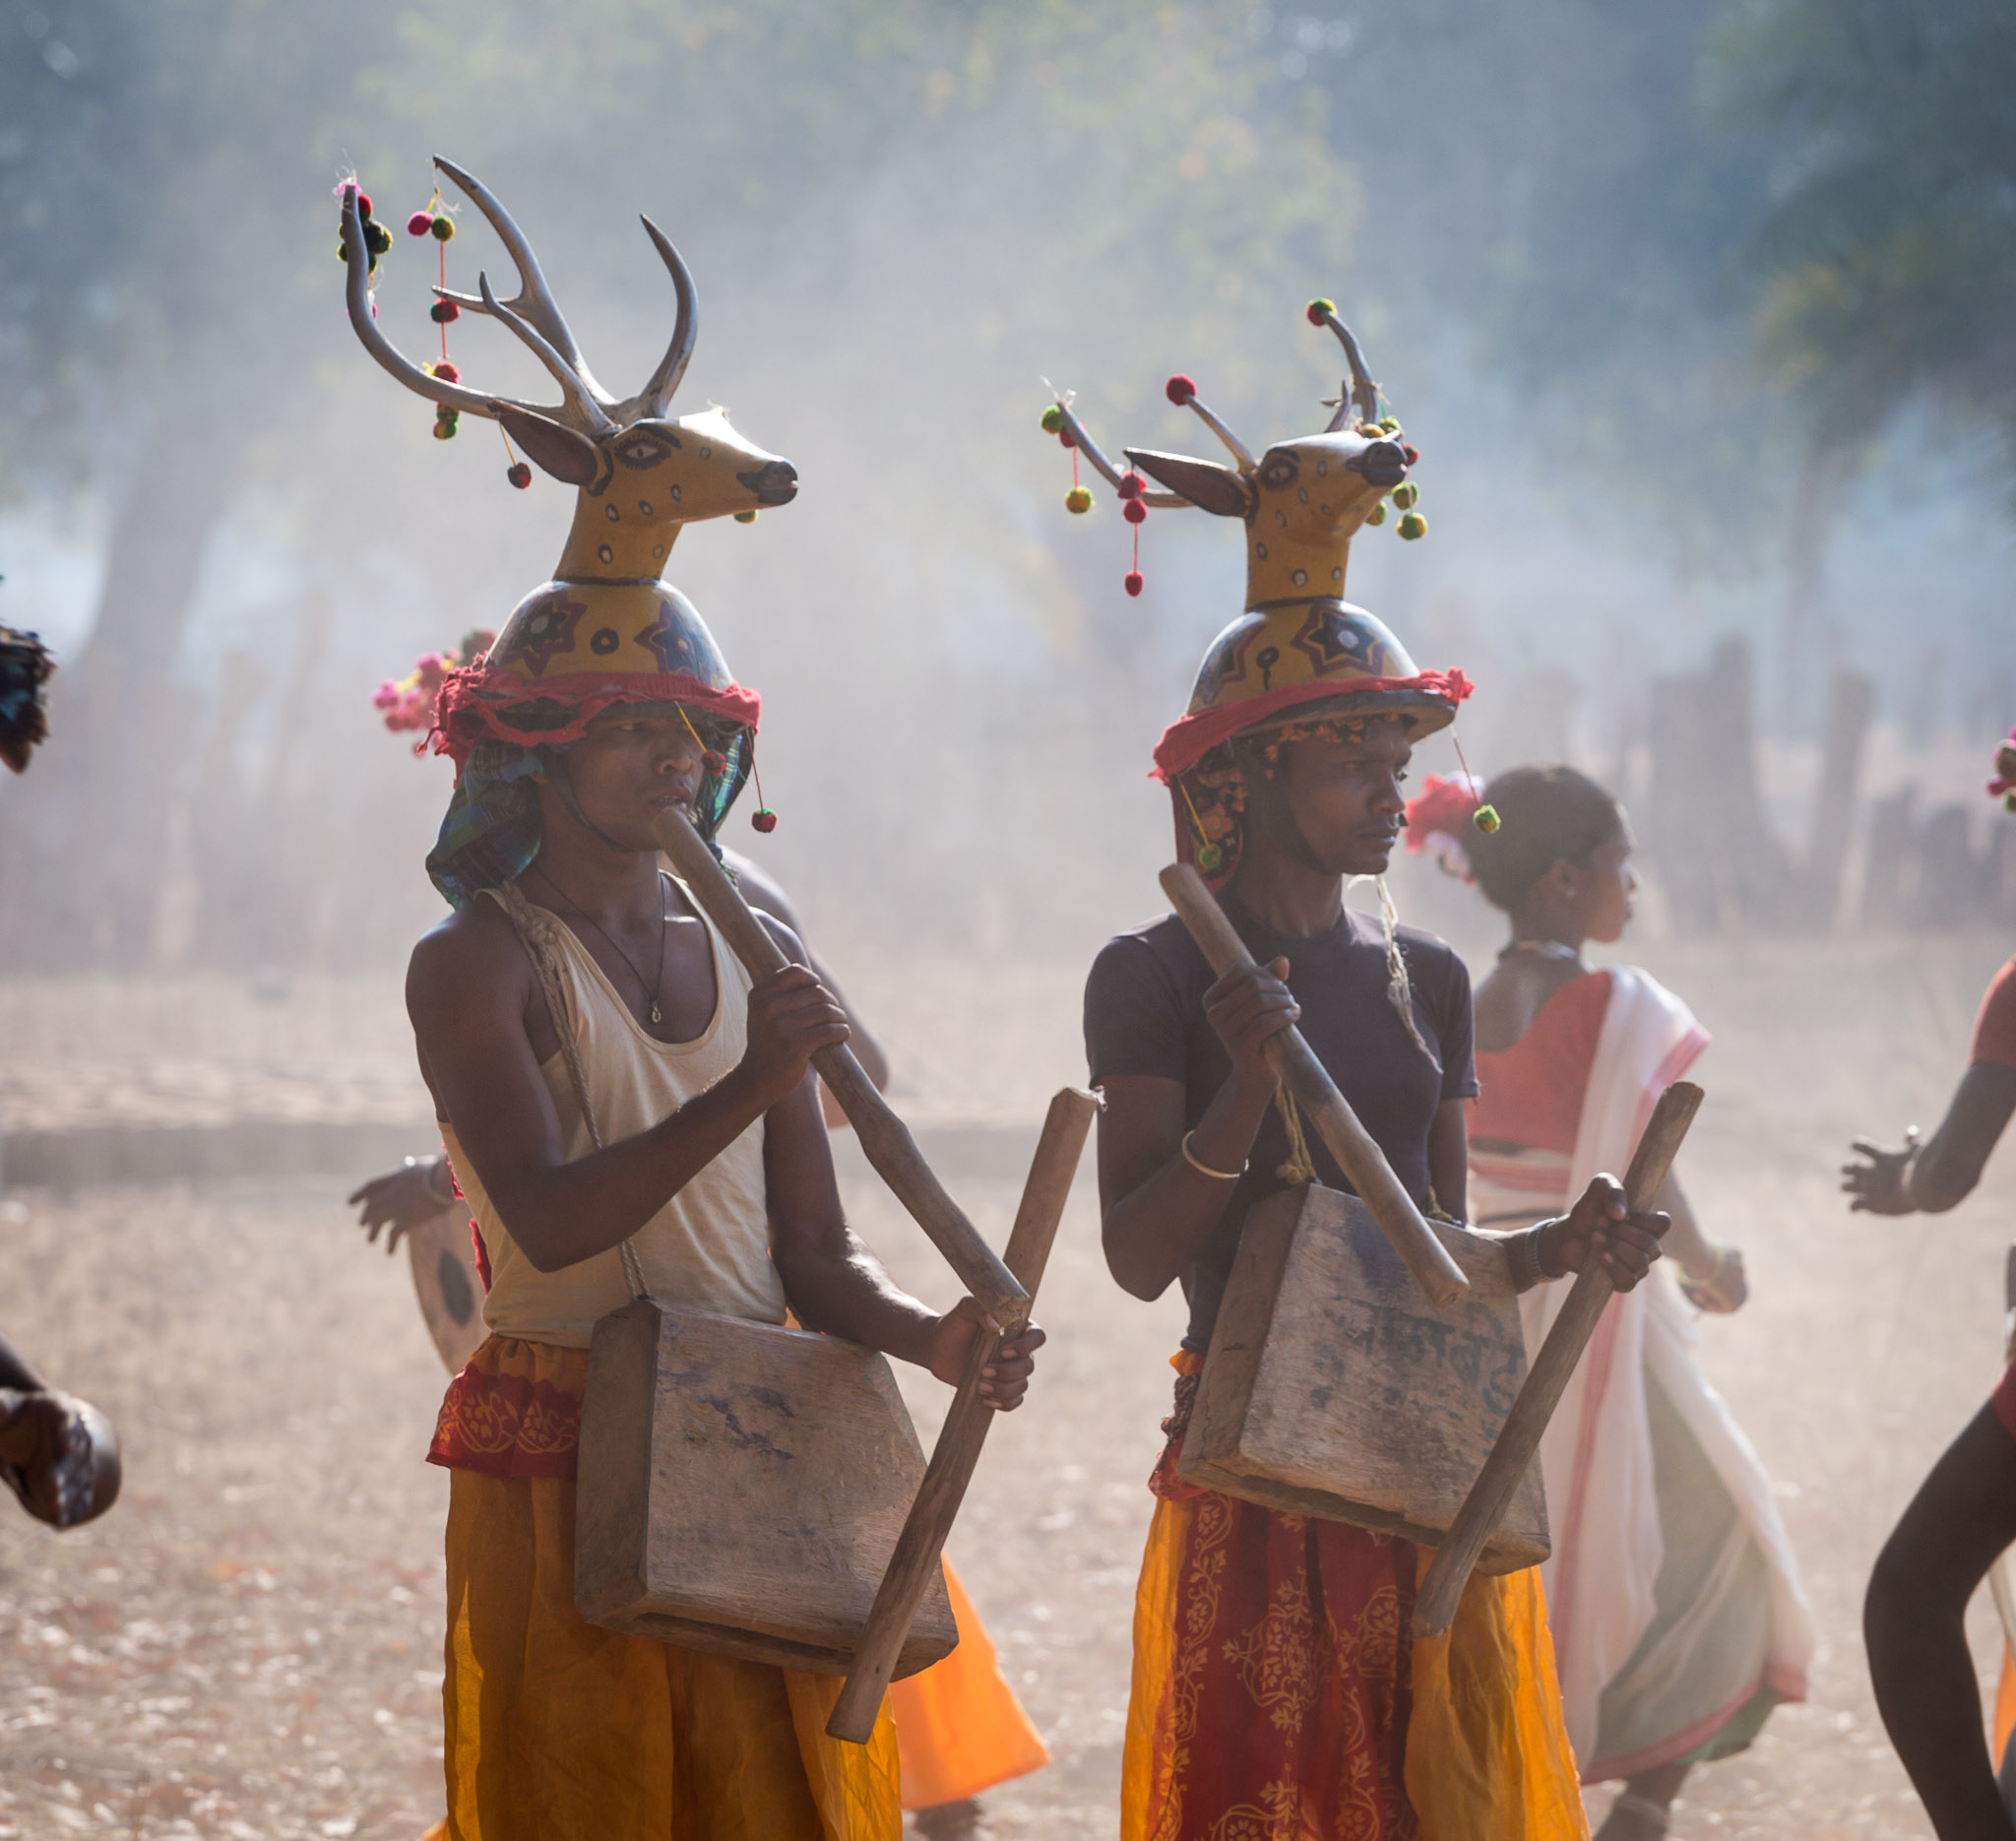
(534,935)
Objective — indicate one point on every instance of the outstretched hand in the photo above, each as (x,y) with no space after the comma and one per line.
(400,1199)
(1882,1185)
(1602,1226)
(1005,1379)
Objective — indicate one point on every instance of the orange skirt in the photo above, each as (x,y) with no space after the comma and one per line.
(1276,1688)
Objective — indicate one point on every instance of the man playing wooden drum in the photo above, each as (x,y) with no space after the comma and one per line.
(714,1193)
(1274,1688)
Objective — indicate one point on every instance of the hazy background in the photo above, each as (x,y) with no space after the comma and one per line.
(1701,316)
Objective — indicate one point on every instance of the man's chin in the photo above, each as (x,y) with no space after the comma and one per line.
(1362,860)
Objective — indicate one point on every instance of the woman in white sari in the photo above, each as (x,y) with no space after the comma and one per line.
(1677,1616)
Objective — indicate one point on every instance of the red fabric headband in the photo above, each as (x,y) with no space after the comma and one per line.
(1192,736)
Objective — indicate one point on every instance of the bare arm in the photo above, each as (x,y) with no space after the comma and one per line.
(470,992)
(1937,1175)
(1157,1208)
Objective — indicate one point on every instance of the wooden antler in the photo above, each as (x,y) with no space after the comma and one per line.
(588,412)
(1360,398)
(656,396)
(1091,451)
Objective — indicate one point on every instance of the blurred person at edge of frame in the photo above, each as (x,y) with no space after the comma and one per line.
(960,1729)
(1673,1594)
(1285,782)
(1964,1515)
(58,1454)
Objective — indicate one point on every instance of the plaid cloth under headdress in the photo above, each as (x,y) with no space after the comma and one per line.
(492,831)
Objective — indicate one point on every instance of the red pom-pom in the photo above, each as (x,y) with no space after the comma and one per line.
(1064,435)
(363,204)
(764,821)
(1131,484)
(420,223)
(1134,511)
(1133,582)
(447,372)
(1409,455)
(519,475)
(1179,389)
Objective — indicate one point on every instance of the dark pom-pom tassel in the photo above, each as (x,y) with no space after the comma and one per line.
(444,313)
(520,475)
(1131,582)
(764,821)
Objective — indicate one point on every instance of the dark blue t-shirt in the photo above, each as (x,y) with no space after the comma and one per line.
(1144,1014)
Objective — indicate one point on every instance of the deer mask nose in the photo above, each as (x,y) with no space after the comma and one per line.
(1382,465)
(778,482)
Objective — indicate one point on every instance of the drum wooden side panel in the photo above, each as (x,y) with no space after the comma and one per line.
(1367,1405)
(443,1262)
(776,1469)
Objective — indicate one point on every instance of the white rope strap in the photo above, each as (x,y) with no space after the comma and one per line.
(535,936)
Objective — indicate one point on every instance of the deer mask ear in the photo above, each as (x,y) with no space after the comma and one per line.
(571,458)
(1209,486)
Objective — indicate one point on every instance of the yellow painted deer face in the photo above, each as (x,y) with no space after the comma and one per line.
(1302,501)
(639,474)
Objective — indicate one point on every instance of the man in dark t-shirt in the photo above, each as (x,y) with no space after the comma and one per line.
(1144,1015)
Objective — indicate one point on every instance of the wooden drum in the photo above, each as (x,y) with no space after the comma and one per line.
(1334,1389)
(748,1486)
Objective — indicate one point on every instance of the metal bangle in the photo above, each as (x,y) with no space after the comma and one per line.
(1203,1169)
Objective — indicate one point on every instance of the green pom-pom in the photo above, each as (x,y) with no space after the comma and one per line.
(1414,524)
(1485,818)
(377,237)
(444,430)
(1319,311)
(1054,421)
(1389,425)
(1405,495)
(745,517)
(1377,515)
(444,228)
(1078,501)
(1210,858)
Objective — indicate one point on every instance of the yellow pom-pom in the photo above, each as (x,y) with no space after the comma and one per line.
(1389,425)
(1053,419)
(1485,818)
(1405,495)
(1414,524)
(745,517)
(1377,515)
(1078,499)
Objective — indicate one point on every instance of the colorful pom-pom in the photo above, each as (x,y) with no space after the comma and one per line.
(715,761)
(444,313)
(1485,818)
(443,227)
(1409,455)
(1388,426)
(1377,515)
(745,517)
(520,475)
(1134,511)
(377,239)
(445,371)
(763,820)
(1054,421)
(1414,524)
(363,204)
(444,430)
(420,223)
(1405,495)
(1064,436)
(1210,858)
(1132,486)
(1320,310)
(1179,389)
(1132,580)
(1078,501)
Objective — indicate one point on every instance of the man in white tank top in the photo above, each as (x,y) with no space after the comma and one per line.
(715,1172)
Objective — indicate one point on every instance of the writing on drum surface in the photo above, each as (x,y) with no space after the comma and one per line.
(1375,1344)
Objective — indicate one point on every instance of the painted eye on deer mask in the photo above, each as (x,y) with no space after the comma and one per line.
(1280,472)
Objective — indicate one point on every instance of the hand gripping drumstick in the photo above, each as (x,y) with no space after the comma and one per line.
(1434,1606)
(1359,1157)
(914,1562)
(884,1137)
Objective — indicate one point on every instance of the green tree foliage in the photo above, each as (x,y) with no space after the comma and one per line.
(1885,263)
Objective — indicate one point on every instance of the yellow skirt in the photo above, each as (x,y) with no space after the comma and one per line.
(559,1730)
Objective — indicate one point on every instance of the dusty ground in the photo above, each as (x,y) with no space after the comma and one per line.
(249,1645)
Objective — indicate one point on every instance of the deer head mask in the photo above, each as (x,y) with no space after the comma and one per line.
(607,627)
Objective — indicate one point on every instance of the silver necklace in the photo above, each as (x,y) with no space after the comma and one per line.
(656,1017)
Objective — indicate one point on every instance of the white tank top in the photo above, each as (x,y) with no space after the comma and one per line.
(708,1248)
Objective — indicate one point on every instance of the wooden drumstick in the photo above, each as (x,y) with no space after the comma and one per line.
(884,1137)
(1360,1158)
(1434,1606)
(914,1562)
